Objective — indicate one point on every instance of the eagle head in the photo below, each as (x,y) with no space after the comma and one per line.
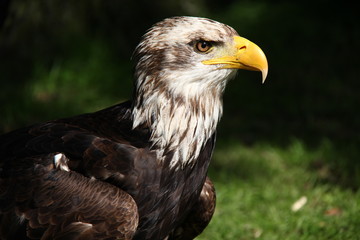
(182,67)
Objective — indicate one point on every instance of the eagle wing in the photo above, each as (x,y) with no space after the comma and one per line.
(53,175)
(200,215)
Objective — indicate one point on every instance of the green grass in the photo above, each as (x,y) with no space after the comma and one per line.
(257,186)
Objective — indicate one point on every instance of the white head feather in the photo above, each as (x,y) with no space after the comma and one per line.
(176,95)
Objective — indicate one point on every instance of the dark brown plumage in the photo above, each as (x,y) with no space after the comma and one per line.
(136,170)
(99,159)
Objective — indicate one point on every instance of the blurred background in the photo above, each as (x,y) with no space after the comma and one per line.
(60,58)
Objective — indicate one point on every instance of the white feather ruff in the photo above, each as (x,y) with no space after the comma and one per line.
(183,127)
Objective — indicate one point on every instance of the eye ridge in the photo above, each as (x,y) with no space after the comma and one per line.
(203,46)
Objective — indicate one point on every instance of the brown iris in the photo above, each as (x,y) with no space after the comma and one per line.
(203,46)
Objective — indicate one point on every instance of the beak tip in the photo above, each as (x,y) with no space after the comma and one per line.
(264,75)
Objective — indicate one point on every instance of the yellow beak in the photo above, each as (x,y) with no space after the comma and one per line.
(243,54)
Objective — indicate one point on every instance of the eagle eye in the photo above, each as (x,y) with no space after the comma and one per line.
(203,46)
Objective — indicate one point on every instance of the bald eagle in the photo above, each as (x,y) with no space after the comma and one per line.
(136,170)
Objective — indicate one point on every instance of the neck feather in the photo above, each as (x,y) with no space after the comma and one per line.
(180,124)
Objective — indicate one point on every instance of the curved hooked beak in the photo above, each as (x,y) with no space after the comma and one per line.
(242,54)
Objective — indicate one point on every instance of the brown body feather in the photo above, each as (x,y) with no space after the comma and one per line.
(114,180)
